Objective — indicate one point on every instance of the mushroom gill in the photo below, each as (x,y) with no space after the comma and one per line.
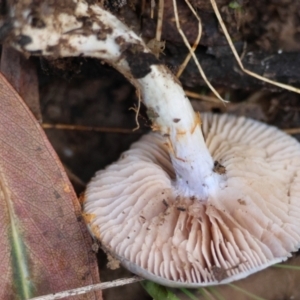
(251,220)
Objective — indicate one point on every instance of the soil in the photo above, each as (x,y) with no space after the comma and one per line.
(85,92)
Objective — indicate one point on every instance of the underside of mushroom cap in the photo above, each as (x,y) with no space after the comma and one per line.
(251,221)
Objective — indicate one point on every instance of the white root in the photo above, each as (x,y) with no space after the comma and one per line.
(91,31)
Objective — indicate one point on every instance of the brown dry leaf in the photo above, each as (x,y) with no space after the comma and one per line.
(45,247)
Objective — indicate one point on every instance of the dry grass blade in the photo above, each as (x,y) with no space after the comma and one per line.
(289,267)
(189,294)
(89,288)
(201,97)
(207,294)
(196,43)
(281,85)
(160,15)
(192,53)
(213,290)
(292,131)
(152,4)
(155,44)
(252,296)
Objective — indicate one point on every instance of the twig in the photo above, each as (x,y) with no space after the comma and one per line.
(155,44)
(160,15)
(201,97)
(89,288)
(87,128)
(192,53)
(281,85)
(152,4)
(292,131)
(196,43)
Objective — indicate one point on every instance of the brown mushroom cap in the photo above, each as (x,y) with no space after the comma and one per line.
(250,221)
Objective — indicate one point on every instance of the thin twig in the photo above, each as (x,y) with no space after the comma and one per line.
(281,85)
(201,97)
(186,42)
(160,15)
(292,131)
(89,288)
(87,128)
(152,4)
(196,43)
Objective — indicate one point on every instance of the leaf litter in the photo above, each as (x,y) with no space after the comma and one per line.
(45,247)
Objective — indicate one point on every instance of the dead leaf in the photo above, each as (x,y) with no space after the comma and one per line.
(45,247)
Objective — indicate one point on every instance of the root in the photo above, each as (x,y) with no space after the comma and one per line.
(190,48)
(137,110)
(238,59)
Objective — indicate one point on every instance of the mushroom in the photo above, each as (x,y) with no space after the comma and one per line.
(247,220)
(181,207)
(186,211)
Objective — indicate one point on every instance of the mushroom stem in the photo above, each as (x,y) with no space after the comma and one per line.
(91,31)
(172,114)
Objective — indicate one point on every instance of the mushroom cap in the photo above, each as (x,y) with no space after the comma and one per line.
(249,222)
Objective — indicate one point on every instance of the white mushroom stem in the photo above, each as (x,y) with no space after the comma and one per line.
(174,116)
(89,30)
